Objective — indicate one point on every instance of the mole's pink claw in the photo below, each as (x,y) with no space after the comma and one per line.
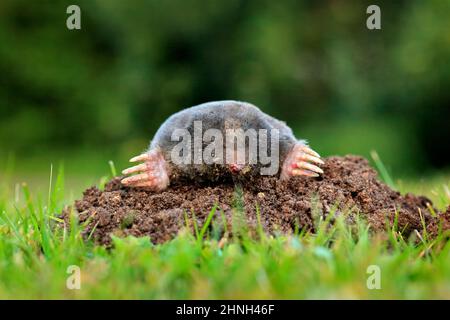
(138,168)
(309,151)
(303,161)
(141,157)
(136,179)
(307,166)
(151,174)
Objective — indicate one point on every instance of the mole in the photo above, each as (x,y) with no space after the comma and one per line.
(219,140)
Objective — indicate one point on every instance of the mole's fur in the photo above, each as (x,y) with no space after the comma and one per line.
(159,168)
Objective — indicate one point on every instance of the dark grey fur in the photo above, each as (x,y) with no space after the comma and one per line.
(214,115)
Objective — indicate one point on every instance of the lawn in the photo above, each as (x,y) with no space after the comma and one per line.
(39,260)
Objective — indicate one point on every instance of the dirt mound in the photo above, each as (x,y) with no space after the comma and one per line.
(349,184)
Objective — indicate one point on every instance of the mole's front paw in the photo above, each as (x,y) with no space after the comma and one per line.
(151,174)
(299,162)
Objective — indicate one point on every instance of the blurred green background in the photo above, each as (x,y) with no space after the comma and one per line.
(83,97)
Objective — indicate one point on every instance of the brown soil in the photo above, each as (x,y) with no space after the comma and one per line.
(348,184)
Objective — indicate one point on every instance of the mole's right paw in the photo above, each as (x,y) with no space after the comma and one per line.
(151,174)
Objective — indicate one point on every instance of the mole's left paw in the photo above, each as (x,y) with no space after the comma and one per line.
(152,174)
(301,161)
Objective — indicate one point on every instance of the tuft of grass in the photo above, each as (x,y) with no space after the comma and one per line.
(335,261)
(207,223)
(385,176)
(112,167)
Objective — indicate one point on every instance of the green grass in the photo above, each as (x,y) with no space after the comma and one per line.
(332,263)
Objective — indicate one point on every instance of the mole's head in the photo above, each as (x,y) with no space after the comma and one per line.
(235,168)
(236,159)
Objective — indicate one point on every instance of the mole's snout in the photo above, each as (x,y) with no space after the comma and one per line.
(235,168)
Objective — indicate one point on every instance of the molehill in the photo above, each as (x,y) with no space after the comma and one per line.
(348,186)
